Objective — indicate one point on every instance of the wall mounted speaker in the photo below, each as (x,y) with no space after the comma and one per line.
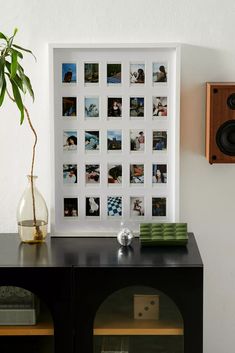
(220,122)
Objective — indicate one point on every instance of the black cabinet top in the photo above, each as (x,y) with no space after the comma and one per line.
(94,252)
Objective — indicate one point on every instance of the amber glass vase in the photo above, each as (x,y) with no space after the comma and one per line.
(32,214)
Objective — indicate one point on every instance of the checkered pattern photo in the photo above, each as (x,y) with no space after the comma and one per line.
(114,206)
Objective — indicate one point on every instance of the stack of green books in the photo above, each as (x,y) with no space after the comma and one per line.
(152,234)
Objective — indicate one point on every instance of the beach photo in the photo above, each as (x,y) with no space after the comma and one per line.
(91,73)
(114,206)
(137,174)
(114,107)
(70,173)
(159,140)
(92,173)
(137,107)
(114,174)
(136,206)
(159,173)
(69,73)
(159,106)
(159,72)
(92,206)
(92,140)
(70,140)
(137,73)
(114,73)
(137,140)
(69,106)
(91,106)
(114,140)
(158,206)
(70,207)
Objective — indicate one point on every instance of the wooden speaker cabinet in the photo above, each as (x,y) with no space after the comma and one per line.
(220,122)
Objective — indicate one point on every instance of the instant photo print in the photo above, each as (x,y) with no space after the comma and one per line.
(69,73)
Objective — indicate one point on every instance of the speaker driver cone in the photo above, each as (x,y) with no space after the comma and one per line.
(231,101)
(225,138)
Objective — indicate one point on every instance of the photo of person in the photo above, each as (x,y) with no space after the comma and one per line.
(137,73)
(114,174)
(92,206)
(69,106)
(136,107)
(91,107)
(114,73)
(137,173)
(92,140)
(159,140)
(92,173)
(114,206)
(70,207)
(159,72)
(114,107)
(159,173)
(69,74)
(91,72)
(136,206)
(70,173)
(158,206)
(70,140)
(137,140)
(159,106)
(114,140)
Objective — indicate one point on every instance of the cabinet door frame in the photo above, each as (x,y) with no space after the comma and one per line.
(54,287)
(183,285)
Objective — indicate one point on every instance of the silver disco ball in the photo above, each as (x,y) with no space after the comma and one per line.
(125,236)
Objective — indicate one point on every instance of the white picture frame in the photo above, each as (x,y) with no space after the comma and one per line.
(97,202)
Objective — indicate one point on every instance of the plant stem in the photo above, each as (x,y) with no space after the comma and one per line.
(38,235)
(32,163)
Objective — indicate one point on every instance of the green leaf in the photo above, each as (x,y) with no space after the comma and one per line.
(18,82)
(17,52)
(28,85)
(1,80)
(26,81)
(20,68)
(8,66)
(3,91)
(17,78)
(2,66)
(27,50)
(10,41)
(18,99)
(14,64)
(2,36)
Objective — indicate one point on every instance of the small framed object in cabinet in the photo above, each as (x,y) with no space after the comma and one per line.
(115,136)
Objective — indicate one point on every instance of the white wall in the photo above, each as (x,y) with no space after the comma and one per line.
(206,27)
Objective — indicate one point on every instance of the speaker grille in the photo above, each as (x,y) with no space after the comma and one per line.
(225,138)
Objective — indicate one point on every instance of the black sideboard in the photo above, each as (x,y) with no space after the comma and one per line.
(74,276)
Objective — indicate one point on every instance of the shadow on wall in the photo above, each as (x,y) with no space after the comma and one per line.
(198,66)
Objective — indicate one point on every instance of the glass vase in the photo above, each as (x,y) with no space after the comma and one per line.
(32,214)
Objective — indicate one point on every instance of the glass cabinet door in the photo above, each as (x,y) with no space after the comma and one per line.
(138,319)
(26,324)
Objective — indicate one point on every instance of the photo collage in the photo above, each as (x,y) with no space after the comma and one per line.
(94,127)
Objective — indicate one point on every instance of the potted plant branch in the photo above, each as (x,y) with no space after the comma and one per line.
(14,84)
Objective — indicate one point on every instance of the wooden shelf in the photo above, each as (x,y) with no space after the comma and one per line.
(110,325)
(44,327)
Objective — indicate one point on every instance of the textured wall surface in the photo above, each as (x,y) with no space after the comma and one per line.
(206,28)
